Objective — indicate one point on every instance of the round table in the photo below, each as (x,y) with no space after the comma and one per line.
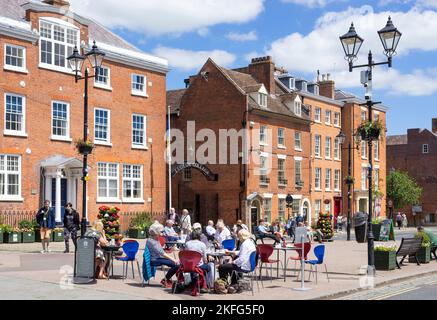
(111,250)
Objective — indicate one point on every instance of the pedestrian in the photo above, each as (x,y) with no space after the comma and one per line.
(71,226)
(186,222)
(340,223)
(46,221)
(291,226)
(172,215)
(404,221)
(299,219)
(399,220)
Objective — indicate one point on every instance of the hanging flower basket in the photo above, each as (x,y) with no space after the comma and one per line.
(350,180)
(370,131)
(84,147)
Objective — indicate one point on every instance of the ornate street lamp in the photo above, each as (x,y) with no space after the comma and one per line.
(351,42)
(76,63)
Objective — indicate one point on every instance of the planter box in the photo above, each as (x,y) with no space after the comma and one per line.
(137,234)
(28,237)
(385,260)
(424,256)
(13,237)
(1,236)
(376,228)
(37,236)
(57,236)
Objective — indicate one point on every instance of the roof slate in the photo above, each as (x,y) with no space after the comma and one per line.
(397,140)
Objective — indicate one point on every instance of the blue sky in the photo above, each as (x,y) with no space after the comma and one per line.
(301,35)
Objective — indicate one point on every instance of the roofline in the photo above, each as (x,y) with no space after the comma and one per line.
(52,9)
(18,33)
(378,107)
(278,115)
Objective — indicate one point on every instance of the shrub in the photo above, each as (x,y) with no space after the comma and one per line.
(426,241)
(385,249)
(27,226)
(142,221)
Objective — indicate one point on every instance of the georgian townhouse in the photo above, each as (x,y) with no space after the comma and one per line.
(43,114)
(292,128)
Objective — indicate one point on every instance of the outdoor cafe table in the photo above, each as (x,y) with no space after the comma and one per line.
(110,252)
(219,255)
(170,244)
(285,250)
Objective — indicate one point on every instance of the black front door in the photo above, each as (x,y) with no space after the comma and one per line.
(63,195)
(254,216)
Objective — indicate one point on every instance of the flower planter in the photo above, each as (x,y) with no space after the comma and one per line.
(12,237)
(28,237)
(57,236)
(385,260)
(137,234)
(423,255)
(1,236)
(85,149)
(374,134)
(376,229)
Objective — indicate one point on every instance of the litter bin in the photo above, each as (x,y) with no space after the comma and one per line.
(360,223)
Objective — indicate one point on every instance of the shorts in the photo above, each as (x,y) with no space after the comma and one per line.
(45,233)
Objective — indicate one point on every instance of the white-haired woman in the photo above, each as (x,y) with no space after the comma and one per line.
(158,257)
(186,222)
(241,262)
(98,233)
(222,233)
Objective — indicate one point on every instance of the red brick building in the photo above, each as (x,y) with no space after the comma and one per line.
(416,154)
(291,124)
(42,114)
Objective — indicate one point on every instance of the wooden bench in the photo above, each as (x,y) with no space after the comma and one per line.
(409,247)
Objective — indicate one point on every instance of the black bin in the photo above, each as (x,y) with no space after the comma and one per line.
(360,223)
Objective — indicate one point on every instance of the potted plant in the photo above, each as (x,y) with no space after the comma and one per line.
(139,226)
(28,229)
(1,233)
(376,228)
(325,225)
(11,234)
(84,147)
(370,131)
(58,234)
(424,253)
(349,180)
(111,223)
(385,258)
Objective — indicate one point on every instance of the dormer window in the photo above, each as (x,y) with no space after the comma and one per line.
(57,41)
(262,100)
(298,108)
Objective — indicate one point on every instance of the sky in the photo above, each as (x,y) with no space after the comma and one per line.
(301,35)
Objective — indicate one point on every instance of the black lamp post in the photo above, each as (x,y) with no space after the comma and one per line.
(76,62)
(349,180)
(352,43)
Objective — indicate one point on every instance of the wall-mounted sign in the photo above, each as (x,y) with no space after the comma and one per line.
(210,176)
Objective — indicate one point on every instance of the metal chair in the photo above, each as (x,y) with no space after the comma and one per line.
(130,250)
(251,274)
(319,252)
(265,251)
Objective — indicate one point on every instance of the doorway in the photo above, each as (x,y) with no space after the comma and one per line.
(64,193)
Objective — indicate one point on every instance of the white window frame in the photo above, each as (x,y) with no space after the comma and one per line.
(56,137)
(188,174)
(363,115)
(376,149)
(139,93)
(262,100)
(337,178)
(337,149)
(298,108)
(328,148)
(282,205)
(263,134)
(108,141)
(318,179)
(328,179)
(318,154)
(132,179)
(142,146)
(317,208)
(337,119)
(66,26)
(267,205)
(318,115)
(281,145)
(298,137)
(425,148)
(107,178)
(364,174)
(9,67)
(364,150)
(7,197)
(105,86)
(22,132)
(297,171)
(328,117)
(282,171)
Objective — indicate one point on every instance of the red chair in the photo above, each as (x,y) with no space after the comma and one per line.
(306,249)
(189,263)
(265,251)
(163,241)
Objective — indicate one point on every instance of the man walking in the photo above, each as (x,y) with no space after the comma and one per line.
(71,226)
(46,221)
(399,220)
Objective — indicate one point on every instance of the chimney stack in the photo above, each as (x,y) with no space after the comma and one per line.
(263,70)
(434,125)
(65,4)
(327,86)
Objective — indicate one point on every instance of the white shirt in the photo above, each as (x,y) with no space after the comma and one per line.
(222,236)
(186,222)
(210,230)
(169,232)
(246,249)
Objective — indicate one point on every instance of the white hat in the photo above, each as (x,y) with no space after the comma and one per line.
(197,226)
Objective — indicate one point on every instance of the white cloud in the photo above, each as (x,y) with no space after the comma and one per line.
(242,37)
(310,3)
(321,48)
(187,60)
(203,32)
(156,17)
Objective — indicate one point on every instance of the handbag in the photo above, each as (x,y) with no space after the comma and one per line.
(221,286)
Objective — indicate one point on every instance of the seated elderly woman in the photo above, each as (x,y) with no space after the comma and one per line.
(240,262)
(197,227)
(98,233)
(158,257)
(169,232)
(222,233)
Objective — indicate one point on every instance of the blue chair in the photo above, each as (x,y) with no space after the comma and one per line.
(130,250)
(251,274)
(319,252)
(229,244)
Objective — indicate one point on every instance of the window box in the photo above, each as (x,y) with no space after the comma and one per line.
(58,235)
(28,237)
(137,234)
(385,260)
(12,237)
